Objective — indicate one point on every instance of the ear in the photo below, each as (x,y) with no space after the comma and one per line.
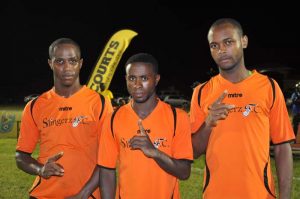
(245,41)
(50,64)
(157,78)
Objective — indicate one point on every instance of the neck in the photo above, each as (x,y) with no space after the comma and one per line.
(237,75)
(67,91)
(145,108)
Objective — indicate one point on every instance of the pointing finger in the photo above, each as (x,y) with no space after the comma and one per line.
(221,98)
(142,130)
(55,157)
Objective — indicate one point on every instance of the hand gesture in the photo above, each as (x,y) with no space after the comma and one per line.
(218,111)
(142,142)
(51,168)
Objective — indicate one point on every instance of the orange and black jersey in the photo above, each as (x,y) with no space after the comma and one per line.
(71,125)
(237,156)
(139,176)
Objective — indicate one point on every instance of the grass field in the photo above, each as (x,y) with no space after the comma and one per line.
(14,183)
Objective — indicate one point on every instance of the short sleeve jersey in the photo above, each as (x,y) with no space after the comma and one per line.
(71,125)
(237,156)
(139,176)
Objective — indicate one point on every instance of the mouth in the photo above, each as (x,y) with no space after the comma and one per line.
(138,94)
(224,59)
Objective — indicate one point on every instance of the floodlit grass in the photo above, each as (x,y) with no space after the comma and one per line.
(14,184)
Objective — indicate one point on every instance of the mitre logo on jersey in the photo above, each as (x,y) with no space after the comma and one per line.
(65,108)
(233,95)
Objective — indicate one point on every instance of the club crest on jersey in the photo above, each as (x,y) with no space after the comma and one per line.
(248,109)
(77,120)
(159,142)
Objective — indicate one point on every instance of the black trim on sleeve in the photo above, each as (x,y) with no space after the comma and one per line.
(24,152)
(175,119)
(200,90)
(103,105)
(112,121)
(98,165)
(273,90)
(289,141)
(31,109)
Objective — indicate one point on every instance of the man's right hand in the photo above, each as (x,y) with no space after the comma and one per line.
(218,111)
(51,168)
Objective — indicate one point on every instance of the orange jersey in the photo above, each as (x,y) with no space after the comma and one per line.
(70,125)
(139,176)
(237,156)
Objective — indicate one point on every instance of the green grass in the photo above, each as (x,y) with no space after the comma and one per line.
(14,184)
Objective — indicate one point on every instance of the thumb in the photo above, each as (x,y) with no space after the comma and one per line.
(56,157)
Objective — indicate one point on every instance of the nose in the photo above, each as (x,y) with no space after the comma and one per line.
(222,48)
(67,66)
(138,83)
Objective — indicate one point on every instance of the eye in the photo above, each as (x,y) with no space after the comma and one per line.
(228,42)
(131,78)
(73,61)
(59,61)
(144,78)
(213,46)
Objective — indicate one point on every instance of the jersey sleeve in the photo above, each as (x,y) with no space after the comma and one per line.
(29,133)
(107,151)
(182,144)
(280,124)
(197,115)
(107,109)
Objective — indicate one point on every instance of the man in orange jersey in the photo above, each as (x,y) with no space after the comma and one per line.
(150,140)
(66,122)
(234,116)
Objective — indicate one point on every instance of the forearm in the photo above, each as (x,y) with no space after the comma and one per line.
(28,164)
(200,139)
(91,184)
(284,169)
(181,169)
(107,183)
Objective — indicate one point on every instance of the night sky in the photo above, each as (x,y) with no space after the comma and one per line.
(174,34)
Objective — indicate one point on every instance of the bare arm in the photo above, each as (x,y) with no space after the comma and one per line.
(181,169)
(178,168)
(200,139)
(30,165)
(217,111)
(107,183)
(284,169)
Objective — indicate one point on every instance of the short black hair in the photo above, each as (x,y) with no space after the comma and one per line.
(231,21)
(63,41)
(144,58)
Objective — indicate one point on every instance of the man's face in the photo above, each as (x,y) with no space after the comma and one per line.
(141,81)
(66,64)
(226,46)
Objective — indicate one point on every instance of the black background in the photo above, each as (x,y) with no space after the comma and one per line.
(174,33)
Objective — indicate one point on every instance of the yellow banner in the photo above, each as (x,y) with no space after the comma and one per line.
(107,63)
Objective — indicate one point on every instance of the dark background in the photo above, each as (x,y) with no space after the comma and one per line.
(174,33)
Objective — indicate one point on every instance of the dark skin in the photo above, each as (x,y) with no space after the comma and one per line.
(141,83)
(226,46)
(65,64)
